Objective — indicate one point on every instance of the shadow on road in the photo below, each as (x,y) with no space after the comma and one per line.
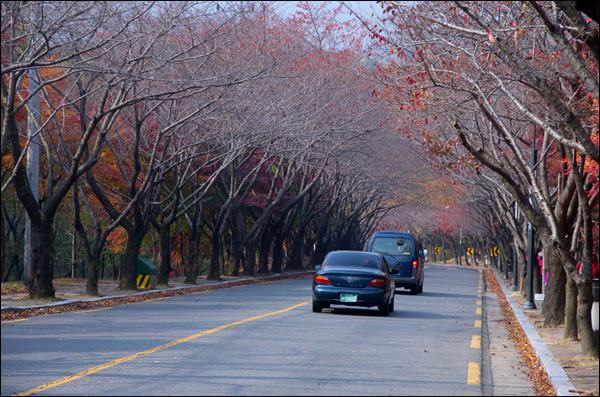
(442,295)
(373,312)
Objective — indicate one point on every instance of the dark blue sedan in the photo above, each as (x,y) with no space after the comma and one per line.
(354,278)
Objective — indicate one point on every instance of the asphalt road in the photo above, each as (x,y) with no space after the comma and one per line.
(260,339)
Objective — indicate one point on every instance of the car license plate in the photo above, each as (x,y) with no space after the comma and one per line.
(348,297)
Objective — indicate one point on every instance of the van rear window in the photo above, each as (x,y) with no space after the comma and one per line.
(393,246)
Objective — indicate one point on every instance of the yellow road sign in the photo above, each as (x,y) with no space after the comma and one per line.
(470,251)
(436,250)
(495,251)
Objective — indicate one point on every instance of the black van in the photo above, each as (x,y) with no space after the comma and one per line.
(404,255)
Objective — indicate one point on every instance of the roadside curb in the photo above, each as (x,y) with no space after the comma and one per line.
(170,291)
(556,374)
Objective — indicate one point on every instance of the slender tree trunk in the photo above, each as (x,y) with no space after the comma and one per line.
(554,299)
(213,269)
(277,254)
(192,267)
(570,332)
(155,248)
(164,235)
(2,245)
(73,248)
(263,256)
(236,253)
(523,270)
(13,266)
(295,260)
(92,255)
(443,248)
(589,345)
(250,262)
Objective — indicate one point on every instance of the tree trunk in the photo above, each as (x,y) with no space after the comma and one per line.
(74,249)
(570,332)
(40,280)
(277,254)
(553,306)
(164,235)
(457,256)
(263,256)
(589,345)
(237,242)
(129,264)
(295,260)
(91,286)
(213,269)
(2,245)
(250,262)
(192,268)
(521,257)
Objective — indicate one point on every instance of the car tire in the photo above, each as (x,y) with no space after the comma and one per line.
(392,305)
(384,309)
(414,290)
(317,308)
(420,290)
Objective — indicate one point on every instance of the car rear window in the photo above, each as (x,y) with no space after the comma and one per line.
(351,259)
(393,246)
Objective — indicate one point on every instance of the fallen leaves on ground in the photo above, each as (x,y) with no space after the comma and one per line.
(20,313)
(536,373)
(13,288)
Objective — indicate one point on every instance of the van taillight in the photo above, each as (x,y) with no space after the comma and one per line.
(415,265)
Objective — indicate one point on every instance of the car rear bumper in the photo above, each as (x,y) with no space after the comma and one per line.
(405,281)
(365,296)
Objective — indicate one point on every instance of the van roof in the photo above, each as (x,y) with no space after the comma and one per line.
(392,233)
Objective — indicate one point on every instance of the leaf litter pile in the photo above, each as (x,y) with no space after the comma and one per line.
(536,373)
(108,302)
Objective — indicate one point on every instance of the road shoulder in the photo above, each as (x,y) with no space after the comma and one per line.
(507,368)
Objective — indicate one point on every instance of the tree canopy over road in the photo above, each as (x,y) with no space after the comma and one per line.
(221,138)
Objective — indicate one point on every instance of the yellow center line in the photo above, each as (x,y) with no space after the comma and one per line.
(477,324)
(101,367)
(14,321)
(92,310)
(478,310)
(476,342)
(478,303)
(473,374)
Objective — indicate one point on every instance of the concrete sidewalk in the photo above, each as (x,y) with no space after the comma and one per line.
(569,372)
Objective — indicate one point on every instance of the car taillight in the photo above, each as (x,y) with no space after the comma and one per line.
(415,265)
(322,280)
(377,282)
